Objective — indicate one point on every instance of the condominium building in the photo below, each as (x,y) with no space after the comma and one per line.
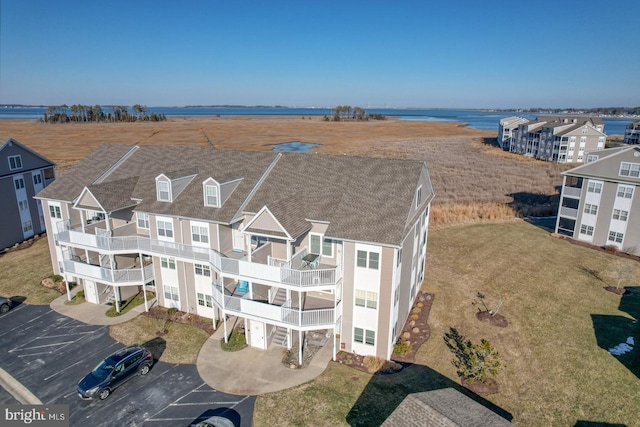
(600,200)
(287,242)
(632,133)
(559,139)
(23,173)
(506,130)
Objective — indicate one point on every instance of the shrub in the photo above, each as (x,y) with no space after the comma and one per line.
(372,363)
(612,249)
(402,347)
(57,278)
(237,341)
(474,362)
(172,311)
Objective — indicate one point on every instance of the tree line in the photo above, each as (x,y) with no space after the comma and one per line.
(78,113)
(349,113)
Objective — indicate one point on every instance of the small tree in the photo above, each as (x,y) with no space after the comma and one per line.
(474,362)
(482,298)
(621,271)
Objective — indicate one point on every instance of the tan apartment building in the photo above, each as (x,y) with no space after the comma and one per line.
(600,200)
(559,139)
(23,173)
(286,242)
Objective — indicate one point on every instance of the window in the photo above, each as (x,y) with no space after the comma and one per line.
(592,158)
(625,192)
(143,220)
(364,336)
(399,259)
(584,131)
(620,214)
(23,205)
(54,212)
(15,162)
(316,246)
(27,226)
(211,195)
(358,335)
(594,187)
(19,183)
(199,234)
(327,247)
(369,337)
(586,229)
(590,209)
(205,300)
(615,237)
(202,270)
(163,191)
(418,196)
(165,228)
(171,293)
(169,263)
(37,179)
(368,259)
(366,299)
(630,169)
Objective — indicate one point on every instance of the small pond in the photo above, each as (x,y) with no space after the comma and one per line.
(301,147)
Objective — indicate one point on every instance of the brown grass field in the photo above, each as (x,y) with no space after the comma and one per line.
(473,180)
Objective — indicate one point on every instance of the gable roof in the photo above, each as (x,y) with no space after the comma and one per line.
(362,199)
(607,167)
(10,144)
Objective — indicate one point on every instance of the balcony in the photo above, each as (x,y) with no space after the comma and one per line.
(572,191)
(114,277)
(568,212)
(286,274)
(308,317)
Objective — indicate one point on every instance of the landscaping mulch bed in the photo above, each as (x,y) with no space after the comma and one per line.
(492,319)
(23,245)
(181,317)
(416,331)
(618,291)
(491,387)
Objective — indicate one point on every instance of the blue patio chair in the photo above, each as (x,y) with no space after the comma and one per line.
(242,287)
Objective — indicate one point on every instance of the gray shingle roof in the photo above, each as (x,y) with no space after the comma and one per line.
(362,199)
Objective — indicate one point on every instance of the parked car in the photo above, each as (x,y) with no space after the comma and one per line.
(5,305)
(114,371)
(215,421)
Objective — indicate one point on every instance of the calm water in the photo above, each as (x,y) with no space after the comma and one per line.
(300,147)
(485,120)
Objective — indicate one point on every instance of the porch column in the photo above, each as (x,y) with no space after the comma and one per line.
(224,319)
(300,347)
(248,246)
(66,282)
(289,250)
(334,344)
(116,292)
(144,294)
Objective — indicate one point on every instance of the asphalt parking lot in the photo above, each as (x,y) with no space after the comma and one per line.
(49,353)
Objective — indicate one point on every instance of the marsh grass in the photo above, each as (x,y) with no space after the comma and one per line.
(561,323)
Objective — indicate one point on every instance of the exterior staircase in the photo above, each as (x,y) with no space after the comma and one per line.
(280,337)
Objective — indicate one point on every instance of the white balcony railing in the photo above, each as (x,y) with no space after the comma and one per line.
(108,275)
(285,315)
(568,212)
(239,268)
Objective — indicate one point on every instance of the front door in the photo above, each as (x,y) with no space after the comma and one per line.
(90,292)
(257,334)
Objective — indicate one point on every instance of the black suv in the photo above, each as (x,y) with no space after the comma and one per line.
(115,370)
(5,305)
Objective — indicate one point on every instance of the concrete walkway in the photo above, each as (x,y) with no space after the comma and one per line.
(255,371)
(248,371)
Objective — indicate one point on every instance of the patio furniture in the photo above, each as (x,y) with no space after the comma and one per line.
(311,260)
(242,288)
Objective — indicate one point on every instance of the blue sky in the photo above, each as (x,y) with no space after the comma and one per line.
(429,53)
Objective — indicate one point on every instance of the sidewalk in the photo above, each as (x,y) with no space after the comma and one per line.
(93,314)
(254,371)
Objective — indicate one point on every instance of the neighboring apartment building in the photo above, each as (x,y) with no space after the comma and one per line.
(289,242)
(23,173)
(559,139)
(506,130)
(632,133)
(600,200)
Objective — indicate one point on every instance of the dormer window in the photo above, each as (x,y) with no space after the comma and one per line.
(15,162)
(211,190)
(418,197)
(164,194)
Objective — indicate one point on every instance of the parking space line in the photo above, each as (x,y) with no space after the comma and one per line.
(205,403)
(20,348)
(22,325)
(80,361)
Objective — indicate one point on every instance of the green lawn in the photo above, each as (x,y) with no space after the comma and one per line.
(561,321)
(22,271)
